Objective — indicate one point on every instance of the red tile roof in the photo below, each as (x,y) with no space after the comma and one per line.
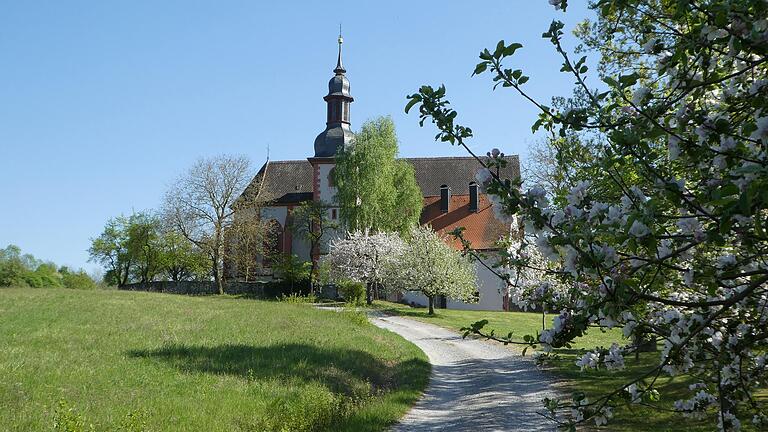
(482,228)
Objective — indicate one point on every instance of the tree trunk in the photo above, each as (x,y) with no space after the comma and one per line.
(431,304)
(368,294)
(312,277)
(216,276)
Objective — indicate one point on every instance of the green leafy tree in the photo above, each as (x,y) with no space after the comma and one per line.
(180,259)
(376,191)
(428,265)
(12,268)
(110,249)
(145,246)
(76,279)
(291,269)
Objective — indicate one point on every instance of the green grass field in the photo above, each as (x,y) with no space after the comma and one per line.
(145,361)
(639,418)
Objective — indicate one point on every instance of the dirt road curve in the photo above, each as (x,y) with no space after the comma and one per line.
(475,385)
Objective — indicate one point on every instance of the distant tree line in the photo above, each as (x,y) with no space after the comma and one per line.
(24,270)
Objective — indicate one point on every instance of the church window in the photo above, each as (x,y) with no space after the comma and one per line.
(331,181)
(333,214)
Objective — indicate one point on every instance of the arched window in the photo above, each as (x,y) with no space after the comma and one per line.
(331,178)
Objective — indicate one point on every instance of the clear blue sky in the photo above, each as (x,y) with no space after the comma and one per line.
(104,103)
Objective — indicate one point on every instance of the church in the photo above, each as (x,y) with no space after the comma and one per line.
(451,197)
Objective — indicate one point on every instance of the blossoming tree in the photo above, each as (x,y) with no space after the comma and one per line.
(361,257)
(429,266)
(669,239)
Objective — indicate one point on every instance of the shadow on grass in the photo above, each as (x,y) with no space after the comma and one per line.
(340,370)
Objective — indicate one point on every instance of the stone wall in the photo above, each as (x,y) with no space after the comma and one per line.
(256,289)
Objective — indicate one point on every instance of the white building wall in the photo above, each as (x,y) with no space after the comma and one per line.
(328,197)
(277,213)
(490,287)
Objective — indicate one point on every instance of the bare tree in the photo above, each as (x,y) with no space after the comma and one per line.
(248,241)
(199,205)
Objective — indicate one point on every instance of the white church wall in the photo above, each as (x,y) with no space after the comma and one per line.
(277,213)
(300,247)
(327,192)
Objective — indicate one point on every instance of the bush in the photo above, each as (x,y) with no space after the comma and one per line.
(352,292)
(78,280)
(297,298)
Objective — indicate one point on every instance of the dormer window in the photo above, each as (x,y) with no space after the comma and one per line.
(445,198)
(473,197)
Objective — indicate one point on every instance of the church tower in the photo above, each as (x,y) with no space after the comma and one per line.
(337,134)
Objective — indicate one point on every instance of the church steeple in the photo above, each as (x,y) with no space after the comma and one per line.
(337,132)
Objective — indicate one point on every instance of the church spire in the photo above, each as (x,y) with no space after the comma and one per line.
(337,132)
(339,65)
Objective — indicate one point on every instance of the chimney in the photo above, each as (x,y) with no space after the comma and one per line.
(445,198)
(473,197)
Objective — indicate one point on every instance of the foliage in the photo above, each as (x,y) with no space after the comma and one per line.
(310,219)
(202,202)
(362,257)
(248,242)
(180,259)
(110,249)
(76,279)
(231,364)
(667,238)
(375,191)
(25,270)
(429,266)
(298,298)
(291,269)
(352,292)
(144,246)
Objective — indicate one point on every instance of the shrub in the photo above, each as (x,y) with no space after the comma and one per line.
(298,298)
(78,280)
(352,292)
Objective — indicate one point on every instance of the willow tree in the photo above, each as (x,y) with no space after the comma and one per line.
(376,191)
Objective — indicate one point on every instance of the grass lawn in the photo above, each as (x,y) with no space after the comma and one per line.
(639,418)
(146,361)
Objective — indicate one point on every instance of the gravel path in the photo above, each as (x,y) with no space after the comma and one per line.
(475,385)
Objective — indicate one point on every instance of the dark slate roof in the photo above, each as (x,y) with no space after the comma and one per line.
(288,182)
(282,182)
(456,172)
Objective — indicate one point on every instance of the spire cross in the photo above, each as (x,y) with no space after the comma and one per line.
(339,66)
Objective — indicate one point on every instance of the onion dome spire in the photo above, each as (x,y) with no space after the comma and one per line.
(337,131)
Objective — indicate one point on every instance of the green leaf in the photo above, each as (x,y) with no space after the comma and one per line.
(413,101)
(511,48)
(522,80)
(480,68)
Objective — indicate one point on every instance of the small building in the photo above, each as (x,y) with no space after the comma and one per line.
(451,198)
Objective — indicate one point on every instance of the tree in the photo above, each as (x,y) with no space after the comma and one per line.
(111,250)
(145,246)
(375,191)
(362,257)
(429,266)
(291,269)
(667,238)
(12,268)
(248,242)
(310,219)
(180,259)
(200,205)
